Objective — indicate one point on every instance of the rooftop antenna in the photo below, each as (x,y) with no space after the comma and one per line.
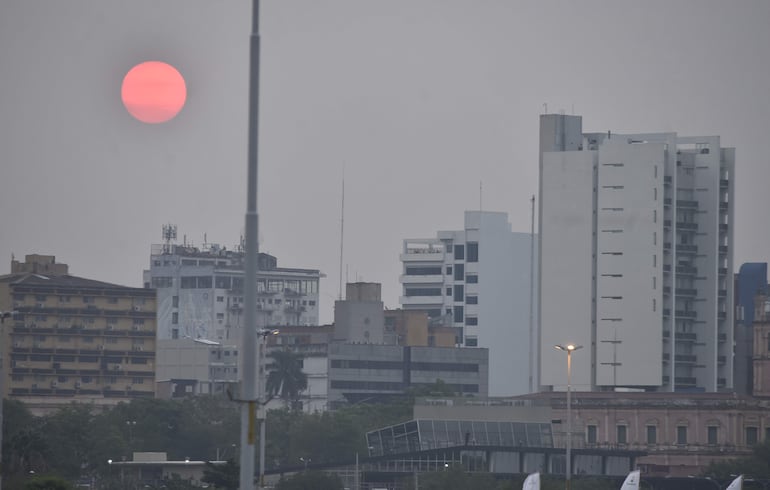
(169,235)
(481,208)
(342,228)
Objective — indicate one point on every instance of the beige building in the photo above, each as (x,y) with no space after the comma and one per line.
(761,358)
(414,328)
(681,432)
(74,339)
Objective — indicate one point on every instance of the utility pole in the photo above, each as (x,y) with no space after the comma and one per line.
(249,351)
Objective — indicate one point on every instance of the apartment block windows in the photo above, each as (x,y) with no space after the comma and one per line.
(175,318)
(459,272)
(471,321)
(471,300)
(712,433)
(459,292)
(449,291)
(175,301)
(622,434)
(652,434)
(681,435)
(472,252)
(472,279)
(459,252)
(591,434)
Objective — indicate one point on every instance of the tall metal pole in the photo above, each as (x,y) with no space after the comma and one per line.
(568,470)
(569,419)
(249,352)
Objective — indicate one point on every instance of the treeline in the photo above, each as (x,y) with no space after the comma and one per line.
(76,442)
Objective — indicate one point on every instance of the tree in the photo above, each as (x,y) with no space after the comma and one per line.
(285,378)
(757,464)
(48,483)
(310,480)
(225,476)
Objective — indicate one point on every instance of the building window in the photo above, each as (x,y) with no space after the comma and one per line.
(471,342)
(681,435)
(459,293)
(449,291)
(174,333)
(175,301)
(175,318)
(472,279)
(652,434)
(459,272)
(471,300)
(459,252)
(591,434)
(752,436)
(713,432)
(622,433)
(471,321)
(220,299)
(473,252)
(449,270)
(767,434)
(458,313)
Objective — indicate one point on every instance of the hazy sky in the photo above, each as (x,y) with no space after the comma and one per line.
(418,100)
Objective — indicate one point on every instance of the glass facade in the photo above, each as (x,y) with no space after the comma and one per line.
(421,435)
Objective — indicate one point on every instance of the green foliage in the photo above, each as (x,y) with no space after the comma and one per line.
(224,477)
(757,465)
(310,480)
(285,377)
(48,483)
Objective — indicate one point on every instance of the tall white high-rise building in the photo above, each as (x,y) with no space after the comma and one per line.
(636,259)
(478,280)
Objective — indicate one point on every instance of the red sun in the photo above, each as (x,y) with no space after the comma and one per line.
(153,92)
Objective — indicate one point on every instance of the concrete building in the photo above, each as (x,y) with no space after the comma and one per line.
(750,282)
(74,339)
(359,373)
(761,347)
(359,318)
(200,292)
(479,279)
(635,259)
(187,367)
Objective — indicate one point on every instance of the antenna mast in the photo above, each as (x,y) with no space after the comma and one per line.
(169,235)
(342,228)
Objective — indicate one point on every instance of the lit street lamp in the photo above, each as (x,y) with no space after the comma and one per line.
(569,348)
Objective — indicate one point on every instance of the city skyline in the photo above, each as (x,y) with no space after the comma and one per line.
(431,109)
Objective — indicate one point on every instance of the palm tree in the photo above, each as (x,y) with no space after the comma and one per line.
(285,378)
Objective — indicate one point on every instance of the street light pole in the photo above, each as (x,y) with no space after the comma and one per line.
(249,351)
(569,348)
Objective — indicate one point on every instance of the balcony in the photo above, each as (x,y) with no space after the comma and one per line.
(685,358)
(723,249)
(686,314)
(684,226)
(723,228)
(723,206)
(436,301)
(688,292)
(686,337)
(684,382)
(690,249)
(686,269)
(682,203)
(417,279)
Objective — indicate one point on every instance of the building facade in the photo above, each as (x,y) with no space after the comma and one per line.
(479,280)
(200,292)
(636,259)
(750,281)
(360,373)
(74,339)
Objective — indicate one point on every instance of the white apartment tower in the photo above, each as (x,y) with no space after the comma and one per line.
(636,259)
(200,292)
(478,280)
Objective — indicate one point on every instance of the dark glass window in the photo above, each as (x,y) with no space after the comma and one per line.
(473,252)
(459,293)
(459,252)
(472,279)
(681,435)
(652,434)
(752,436)
(622,432)
(471,320)
(471,300)
(459,272)
(713,432)
(458,313)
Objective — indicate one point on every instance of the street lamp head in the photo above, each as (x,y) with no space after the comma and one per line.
(568,347)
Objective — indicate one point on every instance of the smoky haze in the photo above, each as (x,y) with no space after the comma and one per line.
(422,104)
